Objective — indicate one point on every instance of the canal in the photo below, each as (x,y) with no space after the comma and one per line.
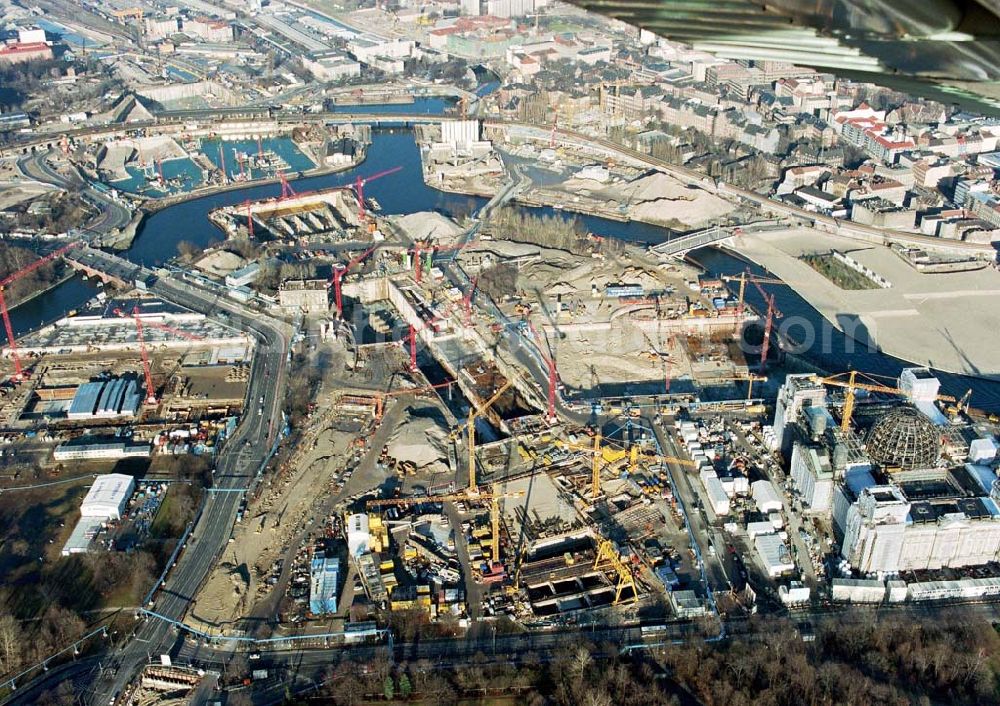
(405,192)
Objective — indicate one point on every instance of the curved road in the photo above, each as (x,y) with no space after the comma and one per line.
(237,466)
(113,216)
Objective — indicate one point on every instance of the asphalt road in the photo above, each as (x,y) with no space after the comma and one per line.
(113,215)
(237,465)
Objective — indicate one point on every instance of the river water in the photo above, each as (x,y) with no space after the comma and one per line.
(405,192)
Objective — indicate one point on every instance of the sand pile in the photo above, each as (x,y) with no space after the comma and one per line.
(428,225)
(421,439)
(660,198)
(220,263)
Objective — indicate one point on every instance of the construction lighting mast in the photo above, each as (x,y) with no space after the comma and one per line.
(471,431)
(338,274)
(19,372)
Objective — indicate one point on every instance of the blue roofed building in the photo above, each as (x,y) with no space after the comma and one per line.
(324,574)
(117,397)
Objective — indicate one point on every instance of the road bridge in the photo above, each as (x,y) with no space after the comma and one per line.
(709,236)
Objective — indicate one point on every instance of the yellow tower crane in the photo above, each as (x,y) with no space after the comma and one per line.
(608,557)
(471,431)
(494,496)
(852,385)
(610,454)
(743,278)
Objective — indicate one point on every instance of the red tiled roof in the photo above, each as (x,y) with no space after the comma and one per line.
(23,48)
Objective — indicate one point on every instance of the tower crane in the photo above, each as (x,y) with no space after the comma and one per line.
(287,192)
(412,336)
(249,219)
(338,274)
(852,386)
(19,372)
(772,310)
(428,250)
(136,316)
(359,189)
(633,454)
(467,299)
(222,165)
(553,372)
(747,377)
(381,397)
(471,430)
(492,496)
(747,276)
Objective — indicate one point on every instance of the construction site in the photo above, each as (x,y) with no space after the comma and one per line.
(327,216)
(138,363)
(432,481)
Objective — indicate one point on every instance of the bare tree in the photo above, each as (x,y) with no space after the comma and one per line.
(10,643)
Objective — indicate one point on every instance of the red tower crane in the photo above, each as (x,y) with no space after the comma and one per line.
(772,314)
(139,325)
(286,189)
(150,393)
(413,333)
(467,300)
(359,188)
(19,372)
(553,372)
(249,218)
(338,274)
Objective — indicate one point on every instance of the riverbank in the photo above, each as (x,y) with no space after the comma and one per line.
(127,237)
(70,274)
(945,321)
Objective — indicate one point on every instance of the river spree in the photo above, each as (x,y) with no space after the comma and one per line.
(405,192)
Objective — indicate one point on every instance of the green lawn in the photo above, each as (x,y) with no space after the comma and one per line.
(838,273)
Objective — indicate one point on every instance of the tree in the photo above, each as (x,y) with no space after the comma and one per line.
(388,688)
(405,687)
(10,643)
(188,250)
